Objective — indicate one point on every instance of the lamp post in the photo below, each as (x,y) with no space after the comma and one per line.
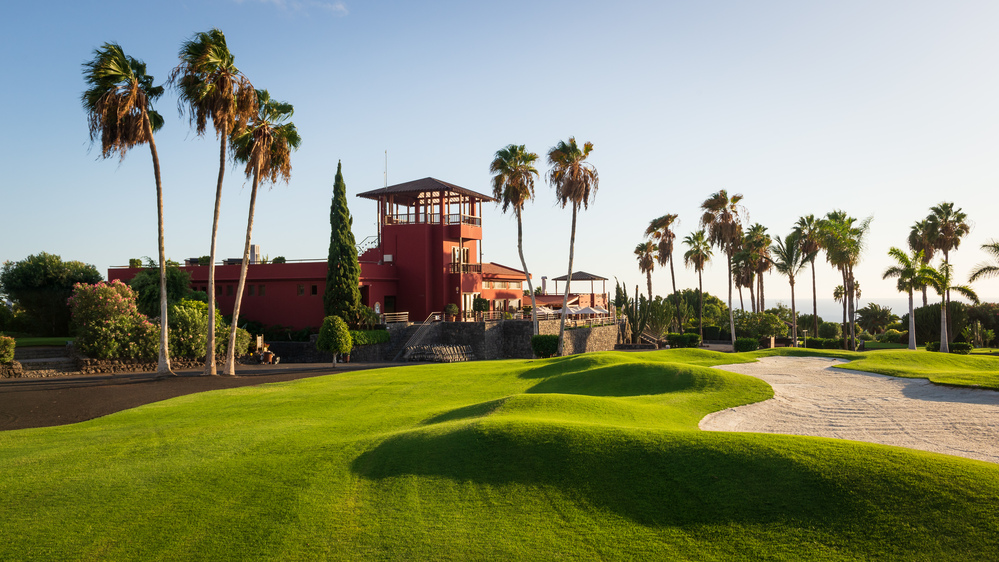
(804,341)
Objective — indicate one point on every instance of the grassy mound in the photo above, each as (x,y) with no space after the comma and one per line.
(586,457)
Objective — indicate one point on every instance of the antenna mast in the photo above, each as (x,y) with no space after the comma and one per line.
(386,168)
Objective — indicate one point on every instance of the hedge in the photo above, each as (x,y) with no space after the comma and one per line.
(956,347)
(712,333)
(7,349)
(544,345)
(369,337)
(683,340)
(747,344)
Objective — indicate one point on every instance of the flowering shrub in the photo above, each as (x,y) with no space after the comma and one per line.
(6,349)
(189,329)
(109,325)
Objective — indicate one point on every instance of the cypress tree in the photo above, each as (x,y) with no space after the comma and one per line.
(343,272)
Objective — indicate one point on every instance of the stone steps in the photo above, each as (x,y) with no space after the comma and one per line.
(61,364)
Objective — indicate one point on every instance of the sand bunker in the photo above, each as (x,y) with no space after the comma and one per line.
(812,398)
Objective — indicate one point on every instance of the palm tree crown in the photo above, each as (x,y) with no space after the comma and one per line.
(910,270)
(723,222)
(573,178)
(513,176)
(645,254)
(119,100)
(985,269)
(266,143)
(947,227)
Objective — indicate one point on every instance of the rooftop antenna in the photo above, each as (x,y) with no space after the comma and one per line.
(386,168)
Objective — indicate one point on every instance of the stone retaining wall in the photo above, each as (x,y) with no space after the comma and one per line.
(583,340)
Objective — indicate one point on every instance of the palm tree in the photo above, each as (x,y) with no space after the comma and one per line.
(265,147)
(844,240)
(574,180)
(119,106)
(513,185)
(757,243)
(920,240)
(645,253)
(808,230)
(985,269)
(698,254)
(947,227)
(723,221)
(211,87)
(661,230)
(875,318)
(942,279)
(911,274)
(788,259)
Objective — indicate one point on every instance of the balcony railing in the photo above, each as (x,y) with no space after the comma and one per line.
(465,268)
(432,218)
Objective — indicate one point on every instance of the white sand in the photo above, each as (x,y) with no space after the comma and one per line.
(812,398)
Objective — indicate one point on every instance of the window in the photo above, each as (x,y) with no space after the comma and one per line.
(455,255)
(301,290)
(315,290)
(218,290)
(228,290)
(516,285)
(250,289)
(260,290)
(487,284)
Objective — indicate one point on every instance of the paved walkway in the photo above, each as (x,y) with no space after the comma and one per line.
(812,398)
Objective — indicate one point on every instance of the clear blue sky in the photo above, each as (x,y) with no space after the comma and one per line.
(881,109)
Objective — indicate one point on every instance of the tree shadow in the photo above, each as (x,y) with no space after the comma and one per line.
(662,479)
(629,379)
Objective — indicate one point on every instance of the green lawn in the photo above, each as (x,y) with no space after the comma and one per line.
(30,341)
(588,457)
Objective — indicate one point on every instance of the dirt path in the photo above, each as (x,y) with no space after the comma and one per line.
(812,398)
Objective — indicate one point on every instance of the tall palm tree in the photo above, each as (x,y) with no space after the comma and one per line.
(645,253)
(574,180)
(211,87)
(757,243)
(788,259)
(942,280)
(985,269)
(661,230)
(722,218)
(947,227)
(119,105)
(911,274)
(844,240)
(697,255)
(808,232)
(920,239)
(513,185)
(744,273)
(265,147)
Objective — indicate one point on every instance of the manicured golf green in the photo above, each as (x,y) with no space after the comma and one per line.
(591,457)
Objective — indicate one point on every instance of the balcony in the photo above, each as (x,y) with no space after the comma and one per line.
(465,268)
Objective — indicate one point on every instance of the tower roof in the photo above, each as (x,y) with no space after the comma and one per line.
(410,190)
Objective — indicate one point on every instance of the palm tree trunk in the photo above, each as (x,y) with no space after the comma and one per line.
(815,304)
(676,297)
(210,342)
(163,363)
(944,346)
(731,313)
(853,323)
(846,327)
(912,324)
(700,308)
(230,354)
(794,317)
(759,281)
(648,280)
(523,262)
(925,302)
(752,294)
(742,304)
(568,280)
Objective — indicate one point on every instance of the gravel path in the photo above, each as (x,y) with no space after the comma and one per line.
(812,398)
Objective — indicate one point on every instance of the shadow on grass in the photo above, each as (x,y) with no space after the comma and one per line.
(665,478)
(628,379)
(479,410)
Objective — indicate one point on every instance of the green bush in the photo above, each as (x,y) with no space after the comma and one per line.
(544,345)
(205,260)
(134,263)
(243,342)
(7,349)
(890,336)
(961,347)
(108,323)
(833,343)
(683,340)
(451,309)
(932,346)
(369,337)
(480,305)
(814,343)
(279,259)
(830,330)
(334,336)
(747,344)
(189,330)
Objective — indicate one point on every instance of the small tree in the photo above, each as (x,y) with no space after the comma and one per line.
(334,337)
(343,272)
(40,285)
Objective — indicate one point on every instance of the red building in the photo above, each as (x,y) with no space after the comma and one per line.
(427,254)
